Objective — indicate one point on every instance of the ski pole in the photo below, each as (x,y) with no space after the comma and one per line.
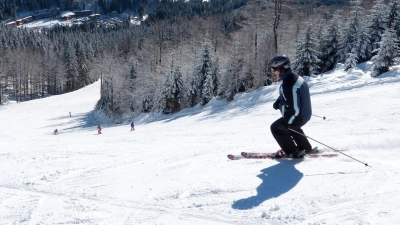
(323,117)
(366,164)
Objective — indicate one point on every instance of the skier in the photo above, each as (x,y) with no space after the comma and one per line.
(69,114)
(295,105)
(98,129)
(55,131)
(132,126)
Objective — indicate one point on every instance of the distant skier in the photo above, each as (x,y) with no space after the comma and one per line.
(98,129)
(55,131)
(295,105)
(69,114)
(132,126)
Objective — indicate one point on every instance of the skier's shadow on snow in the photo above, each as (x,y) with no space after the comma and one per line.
(276,180)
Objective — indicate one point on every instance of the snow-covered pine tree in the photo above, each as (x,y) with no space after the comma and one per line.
(88,50)
(205,72)
(351,61)
(192,92)
(355,36)
(131,83)
(208,87)
(159,95)
(363,45)
(306,56)
(81,66)
(146,103)
(386,53)
(3,81)
(173,91)
(70,68)
(248,77)
(132,71)
(216,74)
(229,82)
(393,17)
(393,14)
(346,42)
(377,23)
(232,77)
(201,69)
(330,45)
(319,46)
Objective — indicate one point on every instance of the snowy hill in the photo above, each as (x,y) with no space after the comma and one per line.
(173,169)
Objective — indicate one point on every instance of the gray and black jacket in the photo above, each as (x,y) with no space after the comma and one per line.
(294,99)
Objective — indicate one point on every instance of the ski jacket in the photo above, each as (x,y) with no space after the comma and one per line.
(294,99)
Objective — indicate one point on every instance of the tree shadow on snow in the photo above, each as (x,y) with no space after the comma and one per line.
(77,121)
(276,180)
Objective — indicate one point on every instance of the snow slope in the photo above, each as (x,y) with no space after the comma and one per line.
(173,169)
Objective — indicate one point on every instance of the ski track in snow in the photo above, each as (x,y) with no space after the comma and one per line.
(173,168)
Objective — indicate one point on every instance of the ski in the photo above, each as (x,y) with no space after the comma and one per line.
(315,153)
(247,155)
(235,157)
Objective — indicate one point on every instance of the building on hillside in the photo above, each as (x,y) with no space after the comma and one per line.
(83,13)
(67,15)
(42,15)
(94,16)
(12,24)
(27,19)
(19,22)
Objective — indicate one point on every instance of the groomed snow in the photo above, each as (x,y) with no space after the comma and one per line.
(173,169)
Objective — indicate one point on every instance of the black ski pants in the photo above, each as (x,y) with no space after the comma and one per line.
(289,141)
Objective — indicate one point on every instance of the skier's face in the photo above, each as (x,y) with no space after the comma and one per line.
(276,72)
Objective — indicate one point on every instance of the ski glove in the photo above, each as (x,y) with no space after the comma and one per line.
(276,104)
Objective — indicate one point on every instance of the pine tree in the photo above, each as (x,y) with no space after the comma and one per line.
(330,45)
(81,66)
(393,14)
(386,53)
(192,93)
(232,76)
(208,87)
(351,61)
(173,91)
(248,78)
(204,80)
(355,36)
(132,71)
(215,75)
(229,81)
(146,103)
(363,45)
(378,23)
(393,17)
(306,57)
(70,68)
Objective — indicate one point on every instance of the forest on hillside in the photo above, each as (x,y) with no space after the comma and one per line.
(185,54)
(11,8)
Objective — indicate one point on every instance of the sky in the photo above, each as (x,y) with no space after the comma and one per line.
(173,169)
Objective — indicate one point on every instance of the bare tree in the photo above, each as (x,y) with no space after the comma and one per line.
(277,18)
(159,35)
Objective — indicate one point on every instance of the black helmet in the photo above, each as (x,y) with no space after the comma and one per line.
(280,62)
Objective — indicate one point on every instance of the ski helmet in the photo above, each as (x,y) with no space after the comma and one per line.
(280,62)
